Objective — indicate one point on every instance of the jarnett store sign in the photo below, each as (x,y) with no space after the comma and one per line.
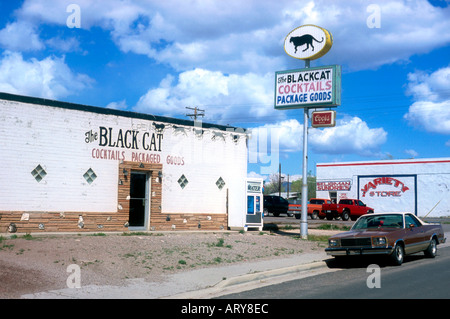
(308,87)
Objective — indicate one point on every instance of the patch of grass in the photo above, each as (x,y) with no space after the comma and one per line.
(28,237)
(333,227)
(138,233)
(182,262)
(319,238)
(10,246)
(220,243)
(99,234)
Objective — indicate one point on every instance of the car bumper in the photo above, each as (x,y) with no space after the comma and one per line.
(350,251)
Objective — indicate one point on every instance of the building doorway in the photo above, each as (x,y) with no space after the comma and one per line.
(139,201)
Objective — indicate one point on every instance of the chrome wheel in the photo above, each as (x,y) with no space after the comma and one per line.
(397,255)
(432,249)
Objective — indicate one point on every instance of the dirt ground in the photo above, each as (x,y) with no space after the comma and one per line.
(31,264)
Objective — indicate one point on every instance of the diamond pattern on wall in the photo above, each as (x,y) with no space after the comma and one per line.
(38,173)
(90,176)
(182,181)
(220,183)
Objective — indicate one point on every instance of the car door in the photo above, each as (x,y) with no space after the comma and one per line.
(360,208)
(414,235)
(277,204)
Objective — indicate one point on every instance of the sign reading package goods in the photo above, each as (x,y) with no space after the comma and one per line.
(309,87)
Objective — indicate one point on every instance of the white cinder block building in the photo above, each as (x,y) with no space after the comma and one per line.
(71,167)
(420,186)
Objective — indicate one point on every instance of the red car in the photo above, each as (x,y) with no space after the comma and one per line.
(347,208)
(314,208)
(391,234)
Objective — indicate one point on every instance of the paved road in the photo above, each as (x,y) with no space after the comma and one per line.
(313,223)
(417,277)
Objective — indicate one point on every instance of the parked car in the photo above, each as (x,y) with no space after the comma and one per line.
(391,234)
(345,209)
(314,208)
(276,205)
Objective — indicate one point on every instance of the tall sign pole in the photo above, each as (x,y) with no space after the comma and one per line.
(317,87)
(304,215)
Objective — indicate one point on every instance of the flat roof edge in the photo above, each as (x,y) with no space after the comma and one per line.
(107,111)
(437,160)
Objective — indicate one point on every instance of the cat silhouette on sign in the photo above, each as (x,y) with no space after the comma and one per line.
(304,39)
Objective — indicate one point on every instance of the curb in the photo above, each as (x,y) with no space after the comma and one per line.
(250,281)
(238,280)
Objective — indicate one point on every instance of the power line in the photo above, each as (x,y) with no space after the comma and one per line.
(197,112)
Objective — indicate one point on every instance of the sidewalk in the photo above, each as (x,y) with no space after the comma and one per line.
(202,283)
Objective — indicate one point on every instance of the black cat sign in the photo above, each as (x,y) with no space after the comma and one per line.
(308,42)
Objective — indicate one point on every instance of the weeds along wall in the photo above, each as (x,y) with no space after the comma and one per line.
(70,167)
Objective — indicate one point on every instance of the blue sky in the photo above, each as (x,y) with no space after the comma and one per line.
(160,57)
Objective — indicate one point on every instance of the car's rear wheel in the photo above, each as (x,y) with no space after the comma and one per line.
(315,214)
(431,251)
(397,255)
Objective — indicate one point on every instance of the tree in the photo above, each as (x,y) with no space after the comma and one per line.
(273,185)
(296,186)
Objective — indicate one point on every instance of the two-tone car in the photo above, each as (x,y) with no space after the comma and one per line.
(391,234)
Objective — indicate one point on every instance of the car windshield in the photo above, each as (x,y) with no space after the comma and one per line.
(376,221)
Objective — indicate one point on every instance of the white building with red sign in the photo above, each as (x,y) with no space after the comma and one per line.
(421,186)
(71,167)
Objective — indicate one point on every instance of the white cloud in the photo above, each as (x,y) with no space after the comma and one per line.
(247,36)
(431,111)
(351,135)
(432,87)
(412,153)
(20,36)
(236,35)
(48,78)
(431,116)
(224,97)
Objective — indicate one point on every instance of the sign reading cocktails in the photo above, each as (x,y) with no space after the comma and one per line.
(320,87)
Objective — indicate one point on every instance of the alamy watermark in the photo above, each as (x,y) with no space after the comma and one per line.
(374,279)
(374,19)
(74,19)
(74,279)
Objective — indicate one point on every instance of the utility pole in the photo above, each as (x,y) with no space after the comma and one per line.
(197,112)
(279,179)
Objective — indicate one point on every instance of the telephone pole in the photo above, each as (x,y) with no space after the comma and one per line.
(197,112)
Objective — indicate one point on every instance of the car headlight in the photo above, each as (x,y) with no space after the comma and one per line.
(379,241)
(333,242)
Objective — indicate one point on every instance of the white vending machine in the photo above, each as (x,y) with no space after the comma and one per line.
(255,204)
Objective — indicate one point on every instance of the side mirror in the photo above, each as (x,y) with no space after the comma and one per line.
(411,226)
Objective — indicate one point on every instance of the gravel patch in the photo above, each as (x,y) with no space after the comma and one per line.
(31,264)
